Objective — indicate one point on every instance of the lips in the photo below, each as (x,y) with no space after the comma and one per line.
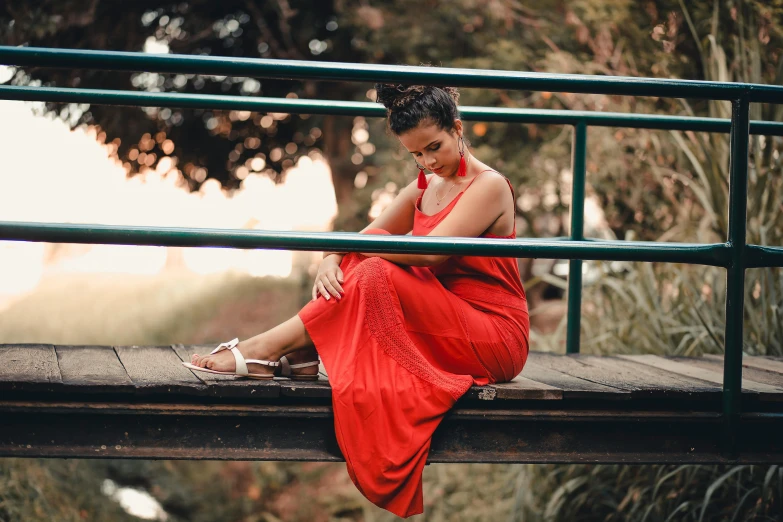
(437,170)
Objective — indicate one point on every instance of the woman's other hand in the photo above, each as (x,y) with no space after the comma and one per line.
(328,279)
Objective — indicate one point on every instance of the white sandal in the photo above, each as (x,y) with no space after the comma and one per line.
(286,367)
(241,363)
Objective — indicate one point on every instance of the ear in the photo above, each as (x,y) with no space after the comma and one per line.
(458,127)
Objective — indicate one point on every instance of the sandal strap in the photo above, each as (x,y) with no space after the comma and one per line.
(261,361)
(241,364)
(305,365)
(286,366)
(225,346)
(239,359)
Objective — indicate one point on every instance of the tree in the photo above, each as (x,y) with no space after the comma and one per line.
(224,145)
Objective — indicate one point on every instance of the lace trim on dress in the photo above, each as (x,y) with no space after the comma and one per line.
(387,328)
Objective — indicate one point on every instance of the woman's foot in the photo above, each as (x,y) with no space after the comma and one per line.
(224,361)
(288,338)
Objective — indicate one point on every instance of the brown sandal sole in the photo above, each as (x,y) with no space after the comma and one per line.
(302,377)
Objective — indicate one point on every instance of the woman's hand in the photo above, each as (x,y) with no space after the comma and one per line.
(328,278)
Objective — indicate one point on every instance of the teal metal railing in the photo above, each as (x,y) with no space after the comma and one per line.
(733,254)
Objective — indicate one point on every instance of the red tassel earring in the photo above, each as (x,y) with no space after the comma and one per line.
(422,177)
(463,168)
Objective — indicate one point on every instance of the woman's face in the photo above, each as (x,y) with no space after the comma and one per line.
(434,148)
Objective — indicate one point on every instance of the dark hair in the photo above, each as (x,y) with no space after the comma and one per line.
(408,105)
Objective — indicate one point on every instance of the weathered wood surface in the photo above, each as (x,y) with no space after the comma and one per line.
(157,370)
(640,380)
(573,387)
(748,374)
(706,374)
(30,367)
(522,387)
(91,369)
(766,364)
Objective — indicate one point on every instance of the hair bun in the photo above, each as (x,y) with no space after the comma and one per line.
(409,105)
(397,96)
(453,92)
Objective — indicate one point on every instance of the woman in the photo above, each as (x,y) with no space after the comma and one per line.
(403,336)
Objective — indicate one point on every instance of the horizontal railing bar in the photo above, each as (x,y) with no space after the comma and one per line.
(758,256)
(616,119)
(337,71)
(716,254)
(369,109)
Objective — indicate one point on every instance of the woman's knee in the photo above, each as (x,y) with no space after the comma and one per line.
(356,257)
(353,258)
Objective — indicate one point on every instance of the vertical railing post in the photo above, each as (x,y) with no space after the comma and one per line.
(735,274)
(578,163)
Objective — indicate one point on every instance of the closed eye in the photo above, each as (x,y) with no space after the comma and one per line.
(432,149)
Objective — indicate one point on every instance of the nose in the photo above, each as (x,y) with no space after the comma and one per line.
(429,162)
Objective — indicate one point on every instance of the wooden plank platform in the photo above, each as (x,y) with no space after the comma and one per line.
(140,402)
(150,370)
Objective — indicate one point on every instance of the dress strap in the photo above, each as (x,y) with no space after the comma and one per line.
(479,174)
(421,194)
(476,177)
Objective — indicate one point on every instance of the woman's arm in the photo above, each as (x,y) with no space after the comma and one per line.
(397,218)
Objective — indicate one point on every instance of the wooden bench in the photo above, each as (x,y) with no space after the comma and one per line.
(140,402)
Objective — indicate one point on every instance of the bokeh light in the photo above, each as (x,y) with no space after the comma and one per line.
(50,173)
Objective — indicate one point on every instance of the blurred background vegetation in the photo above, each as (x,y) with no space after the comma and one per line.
(645,185)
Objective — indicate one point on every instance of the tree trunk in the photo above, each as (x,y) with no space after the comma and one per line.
(338,149)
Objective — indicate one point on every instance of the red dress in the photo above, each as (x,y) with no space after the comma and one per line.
(402,345)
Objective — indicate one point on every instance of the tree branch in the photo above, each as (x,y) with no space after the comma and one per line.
(285,28)
(263,28)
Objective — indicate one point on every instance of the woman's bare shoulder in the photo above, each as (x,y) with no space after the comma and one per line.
(489,172)
(493,181)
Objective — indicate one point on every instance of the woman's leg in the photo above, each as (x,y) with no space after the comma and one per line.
(289,338)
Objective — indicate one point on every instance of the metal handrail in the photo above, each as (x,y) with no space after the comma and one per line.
(338,71)
(712,254)
(734,255)
(374,110)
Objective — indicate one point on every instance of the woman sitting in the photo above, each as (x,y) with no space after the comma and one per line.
(403,336)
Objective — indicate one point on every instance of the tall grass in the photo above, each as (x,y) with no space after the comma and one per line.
(61,490)
(653,493)
(673,309)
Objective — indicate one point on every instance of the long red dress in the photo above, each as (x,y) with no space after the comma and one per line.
(402,345)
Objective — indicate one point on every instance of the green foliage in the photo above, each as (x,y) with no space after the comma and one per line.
(680,309)
(201,143)
(652,493)
(61,490)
